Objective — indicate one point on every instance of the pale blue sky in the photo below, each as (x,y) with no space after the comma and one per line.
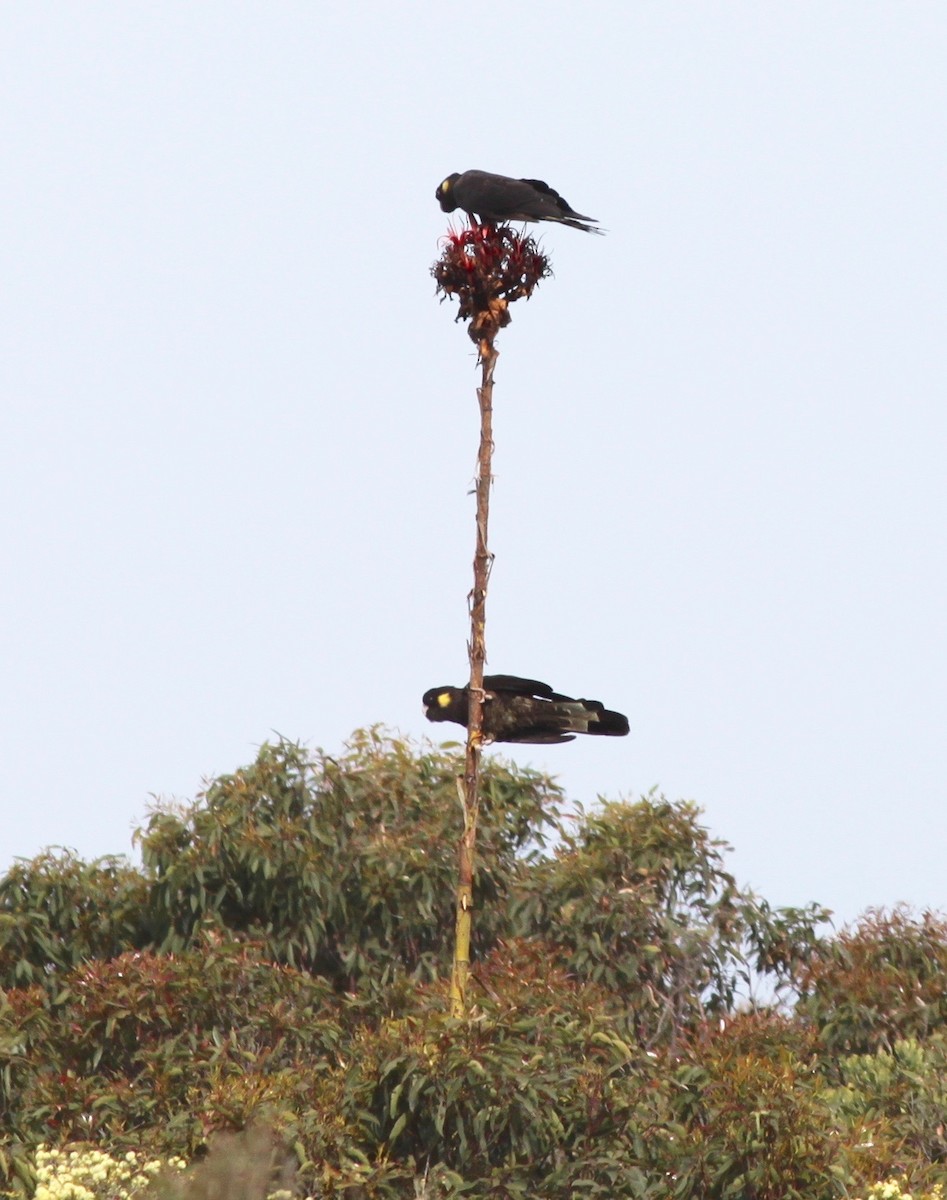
(238,430)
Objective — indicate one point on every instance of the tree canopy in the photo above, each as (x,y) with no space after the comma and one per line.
(282,956)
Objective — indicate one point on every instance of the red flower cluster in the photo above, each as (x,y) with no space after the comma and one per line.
(488,267)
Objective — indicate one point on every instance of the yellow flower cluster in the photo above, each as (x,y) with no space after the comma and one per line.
(92,1175)
(891,1190)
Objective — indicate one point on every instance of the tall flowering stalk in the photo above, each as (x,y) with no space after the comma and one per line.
(485,268)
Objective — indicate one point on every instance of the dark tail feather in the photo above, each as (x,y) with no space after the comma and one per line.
(577,225)
(608,723)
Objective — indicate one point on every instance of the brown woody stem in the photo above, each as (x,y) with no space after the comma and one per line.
(476,649)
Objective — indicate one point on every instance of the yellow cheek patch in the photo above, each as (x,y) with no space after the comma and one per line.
(445,186)
(443,699)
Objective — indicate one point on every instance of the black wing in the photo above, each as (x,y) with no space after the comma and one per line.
(563,206)
(495,195)
(539,737)
(516,686)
